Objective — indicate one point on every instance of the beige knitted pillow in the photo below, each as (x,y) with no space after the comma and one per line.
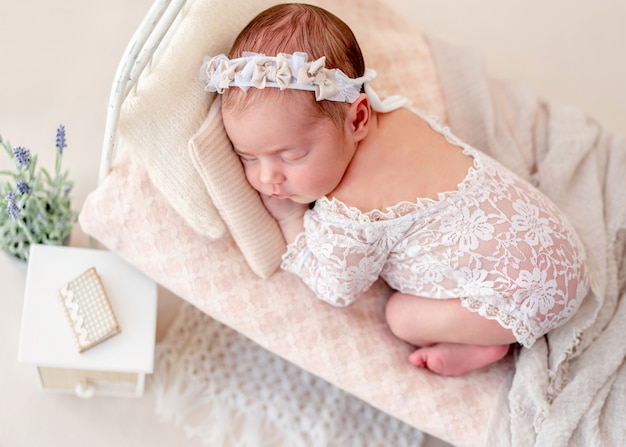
(254,230)
(401,56)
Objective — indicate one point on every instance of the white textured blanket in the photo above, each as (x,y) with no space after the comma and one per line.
(570,388)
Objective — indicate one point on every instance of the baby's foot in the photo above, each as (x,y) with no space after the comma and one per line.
(456,359)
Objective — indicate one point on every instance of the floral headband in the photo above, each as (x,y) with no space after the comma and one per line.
(284,71)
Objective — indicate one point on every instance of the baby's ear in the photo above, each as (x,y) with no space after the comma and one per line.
(359,116)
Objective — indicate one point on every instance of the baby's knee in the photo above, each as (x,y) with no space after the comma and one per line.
(401,322)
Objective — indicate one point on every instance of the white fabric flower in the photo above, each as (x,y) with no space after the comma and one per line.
(273,70)
(527,220)
(465,228)
(536,292)
(322,78)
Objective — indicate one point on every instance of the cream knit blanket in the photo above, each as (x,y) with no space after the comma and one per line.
(570,388)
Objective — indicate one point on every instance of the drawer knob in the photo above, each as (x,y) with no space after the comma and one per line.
(84,390)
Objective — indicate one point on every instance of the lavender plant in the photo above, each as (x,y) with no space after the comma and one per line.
(37,205)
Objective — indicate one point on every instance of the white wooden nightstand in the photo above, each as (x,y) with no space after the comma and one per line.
(117,366)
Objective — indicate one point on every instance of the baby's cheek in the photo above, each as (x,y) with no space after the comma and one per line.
(324,182)
(252,177)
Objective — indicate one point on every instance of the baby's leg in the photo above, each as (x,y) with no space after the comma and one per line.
(452,339)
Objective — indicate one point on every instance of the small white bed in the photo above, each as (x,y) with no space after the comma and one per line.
(173,201)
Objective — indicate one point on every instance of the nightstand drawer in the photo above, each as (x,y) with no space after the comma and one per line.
(85,383)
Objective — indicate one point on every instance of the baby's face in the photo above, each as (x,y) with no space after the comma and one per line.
(286,151)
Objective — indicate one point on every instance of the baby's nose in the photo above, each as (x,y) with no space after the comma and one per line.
(270,174)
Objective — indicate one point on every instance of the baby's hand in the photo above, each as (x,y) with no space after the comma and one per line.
(288,214)
(284,209)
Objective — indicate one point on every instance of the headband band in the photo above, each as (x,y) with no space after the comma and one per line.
(284,71)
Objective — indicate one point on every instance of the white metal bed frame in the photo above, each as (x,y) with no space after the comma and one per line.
(138,54)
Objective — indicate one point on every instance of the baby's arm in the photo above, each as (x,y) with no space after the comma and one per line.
(332,258)
(299,259)
(288,214)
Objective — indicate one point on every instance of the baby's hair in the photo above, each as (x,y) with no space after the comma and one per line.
(291,27)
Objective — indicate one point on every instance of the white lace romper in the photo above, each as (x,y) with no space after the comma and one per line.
(496,243)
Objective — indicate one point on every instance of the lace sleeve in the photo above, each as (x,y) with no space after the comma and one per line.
(337,261)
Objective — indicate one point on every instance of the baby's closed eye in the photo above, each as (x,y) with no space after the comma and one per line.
(246,158)
(294,154)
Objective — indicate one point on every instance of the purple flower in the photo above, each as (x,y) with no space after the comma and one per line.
(12,209)
(22,155)
(23,187)
(11,197)
(60,141)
